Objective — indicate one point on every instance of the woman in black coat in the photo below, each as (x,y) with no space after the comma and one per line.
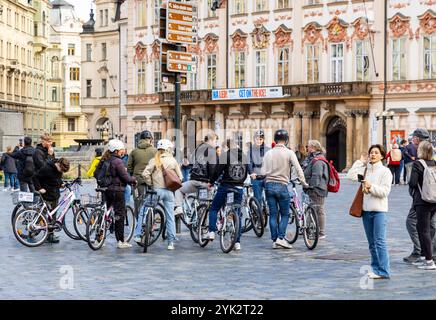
(9,168)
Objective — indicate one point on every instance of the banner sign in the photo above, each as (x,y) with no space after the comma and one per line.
(247,93)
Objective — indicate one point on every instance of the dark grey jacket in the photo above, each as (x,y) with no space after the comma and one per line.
(317,175)
(8,164)
(256,158)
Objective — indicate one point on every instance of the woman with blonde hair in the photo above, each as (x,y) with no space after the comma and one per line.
(153,176)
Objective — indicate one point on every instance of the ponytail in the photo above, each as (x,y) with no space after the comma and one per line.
(157,158)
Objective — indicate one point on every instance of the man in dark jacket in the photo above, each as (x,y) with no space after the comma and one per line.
(25,165)
(9,167)
(138,160)
(233,166)
(205,161)
(44,152)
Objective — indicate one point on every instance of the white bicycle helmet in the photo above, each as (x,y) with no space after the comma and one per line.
(115,145)
(164,144)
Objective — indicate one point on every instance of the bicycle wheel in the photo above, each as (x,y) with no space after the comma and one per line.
(158,225)
(256,217)
(17,208)
(292,229)
(30,228)
(146,230)
(96,229)
(311,231)
(246,219)
(203,227)
(193,227)
(68,224)
(265,215)
(163,223)
(80,219)
(129,223)
(229,232)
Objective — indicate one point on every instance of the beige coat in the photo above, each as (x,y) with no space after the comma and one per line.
(153,175)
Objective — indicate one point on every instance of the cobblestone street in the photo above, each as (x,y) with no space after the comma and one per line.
(331,271)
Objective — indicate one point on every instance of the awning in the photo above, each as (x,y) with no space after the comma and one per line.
(399,110)
(426,110)
(139,118)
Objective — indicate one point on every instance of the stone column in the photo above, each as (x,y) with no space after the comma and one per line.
(306,127)
(315,126)
(298,126)
(350,138)
(359,138)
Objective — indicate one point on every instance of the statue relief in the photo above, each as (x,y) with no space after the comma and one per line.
(361,29)
(211,43)
(140,53)
(283,36)
(399,25)
(337,30)
(312,33)
(260,37)
(427,22)
(239,40)
(155,51)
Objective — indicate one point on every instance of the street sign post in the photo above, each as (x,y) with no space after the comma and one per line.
(181,23)
(181,62)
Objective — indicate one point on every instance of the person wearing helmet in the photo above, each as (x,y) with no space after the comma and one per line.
(277,166)
(153,176)
(120,178)
(48,181)
(138,160)
(256,154)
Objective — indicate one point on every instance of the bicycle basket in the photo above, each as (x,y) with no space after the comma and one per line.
(27,197)
(89,200)
(151,200)
(203,194)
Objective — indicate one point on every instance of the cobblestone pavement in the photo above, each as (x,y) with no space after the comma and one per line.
(331,271)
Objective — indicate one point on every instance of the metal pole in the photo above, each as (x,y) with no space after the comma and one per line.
(227,45)
(177,127)
(385,72)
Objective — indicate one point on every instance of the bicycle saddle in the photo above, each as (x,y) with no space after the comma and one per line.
(101,189)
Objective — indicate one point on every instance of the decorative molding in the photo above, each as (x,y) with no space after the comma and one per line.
(312,34)
(337,30)
(396,87)
(399,4)
(428,2)
(427,23)
(260,22)
(260,37)
(155,51)
(430,87)
(146,99)
(239,39)
(196,49)
(140,53)
(281,18)
(283,37)
(211,43)
(239,22)
(399,25)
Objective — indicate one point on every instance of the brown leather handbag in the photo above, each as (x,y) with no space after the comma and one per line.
(171,179)
(357,205)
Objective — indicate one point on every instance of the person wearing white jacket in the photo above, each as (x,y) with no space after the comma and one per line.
(376,188)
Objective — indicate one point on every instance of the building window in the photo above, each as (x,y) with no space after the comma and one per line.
(103,88)
(156,76)
(74,99)
(106,17)
(71,49)
(157,5)
(238,6)
(141,11)
(362,61)
(399,59)
(192,81)
(101,18)
(211,71)
(74,74)
(283,66)
(260,56)
(23,88)
(337,62)
(88,52)
(312,62)
(430,57)
(311,2)
(283,4)
(55,68)
(54,94)
(260,5)
(103,51)
(71,124)
(210,13)
(88,88)
(240,69)
(141,77)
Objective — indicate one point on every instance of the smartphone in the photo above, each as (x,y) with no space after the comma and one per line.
(360,177)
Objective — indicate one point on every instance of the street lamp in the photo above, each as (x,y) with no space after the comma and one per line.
(383,116)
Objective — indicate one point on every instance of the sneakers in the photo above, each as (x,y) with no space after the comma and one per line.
(171,246)
(137,239)
(428,265)
(275,246)
(283,243)
(123,245)
(178,211)
(412,258)
(209,236)
(237,246)
(322,237)
(419,262)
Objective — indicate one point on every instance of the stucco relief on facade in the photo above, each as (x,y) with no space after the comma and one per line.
(140,53)
(429,87)
(283,37)
(196,49)
(147,99)
(260,37)
(400,25)
(399,4)
(398,87)
(282,18)
(155,51)
(239,39)
(428,2)
(312,34)
(313,13)
(260,21)
(427,23)
(211,43)
(239,22)
(337,30)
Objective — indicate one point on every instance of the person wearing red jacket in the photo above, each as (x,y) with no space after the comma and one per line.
(394,158)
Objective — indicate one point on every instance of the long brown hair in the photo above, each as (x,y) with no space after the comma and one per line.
(106,155)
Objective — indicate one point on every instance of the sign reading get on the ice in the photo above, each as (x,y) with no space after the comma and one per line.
(247,93)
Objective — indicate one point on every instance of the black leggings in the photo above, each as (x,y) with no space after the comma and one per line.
(117,200)
(425,215)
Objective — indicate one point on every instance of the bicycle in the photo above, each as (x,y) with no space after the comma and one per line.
(227,223)
(152,219)
(251,216)
(30,223)
(102,219)
(303,218)
(81,216)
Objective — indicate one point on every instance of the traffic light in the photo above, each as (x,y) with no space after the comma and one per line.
(167,76)
(162,23)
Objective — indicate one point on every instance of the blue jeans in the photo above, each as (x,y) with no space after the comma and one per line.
(128,194)
(218,202)
(11,181)
(278,198)
(258,187)
(185,173)
(375,229)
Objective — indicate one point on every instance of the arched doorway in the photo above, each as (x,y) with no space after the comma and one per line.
(336,136)
(104,128)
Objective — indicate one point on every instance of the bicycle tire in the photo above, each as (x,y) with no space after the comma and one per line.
(129,222)
(67,230)
(80,219)
(265,215)
(227,227)
(21,239)
(256,217)
(145,237)
(314,229)
(163,224)
(292,223)
(193,228)
(203,226)
(18,206)
(157,213)
(96,221)
(247,224)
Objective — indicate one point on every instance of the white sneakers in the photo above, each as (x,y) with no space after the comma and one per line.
(283,244)
(321,237)
(428,265)
(237,246)
(209,236)
(123,245)
(419,262)
(171,246)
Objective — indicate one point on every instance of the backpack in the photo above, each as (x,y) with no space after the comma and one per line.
(396,155)
(102,174)
(334,182)
(29,166)
(428,190)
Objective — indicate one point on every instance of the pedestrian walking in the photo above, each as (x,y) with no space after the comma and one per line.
(26,166)
(423,182)
(95,162)
(376,184)
(394,158)
(277,166)
(44,152)
(8,165)
(317,177)
(403,145)
(153,176)
(138,160)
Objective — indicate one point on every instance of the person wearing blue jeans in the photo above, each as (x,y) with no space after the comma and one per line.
(8,163)
(278,199)
(375,229)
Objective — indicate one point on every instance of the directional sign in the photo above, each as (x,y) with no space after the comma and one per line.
(181,23)
(182,28)
(181,57)
(180,38)
(181,62)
